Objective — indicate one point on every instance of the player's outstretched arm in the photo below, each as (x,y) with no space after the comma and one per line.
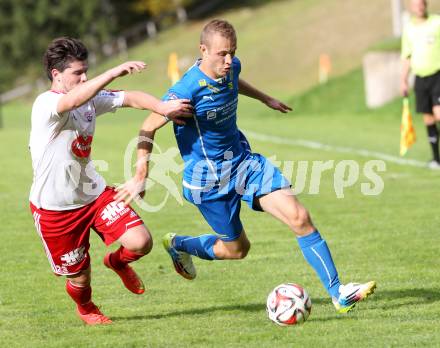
(172,109)
(252,92)
(136,185)
(87,90)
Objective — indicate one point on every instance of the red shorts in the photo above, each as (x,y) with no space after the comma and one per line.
(65,234)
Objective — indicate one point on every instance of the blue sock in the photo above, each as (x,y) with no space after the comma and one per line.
(317,254)
(201,246)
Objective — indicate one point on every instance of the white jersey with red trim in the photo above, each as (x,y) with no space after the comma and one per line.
(60,145)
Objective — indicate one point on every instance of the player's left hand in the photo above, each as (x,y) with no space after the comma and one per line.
(277,105)
(130,190)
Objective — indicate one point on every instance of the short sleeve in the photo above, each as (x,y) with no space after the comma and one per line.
(52,104)
(45,106)
(178,91)
(108,101)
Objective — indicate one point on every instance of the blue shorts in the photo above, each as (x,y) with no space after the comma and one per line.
(220,204)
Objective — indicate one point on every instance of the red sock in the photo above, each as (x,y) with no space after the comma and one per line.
(82,295)
(122,256)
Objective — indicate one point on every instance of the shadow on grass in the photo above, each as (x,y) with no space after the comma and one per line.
(250,307)
(406,297)
(417,296)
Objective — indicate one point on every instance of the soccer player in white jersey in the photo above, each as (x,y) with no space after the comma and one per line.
(68,196)
(221,170)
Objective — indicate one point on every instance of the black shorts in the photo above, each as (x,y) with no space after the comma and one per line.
(427,92)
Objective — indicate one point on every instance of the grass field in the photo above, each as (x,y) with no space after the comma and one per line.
(392,238)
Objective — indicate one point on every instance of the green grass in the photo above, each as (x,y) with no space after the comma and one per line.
(392,238)
(390,44)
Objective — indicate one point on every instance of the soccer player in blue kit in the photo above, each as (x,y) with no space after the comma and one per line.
(221,170)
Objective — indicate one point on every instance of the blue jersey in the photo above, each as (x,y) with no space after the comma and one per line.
(212,135)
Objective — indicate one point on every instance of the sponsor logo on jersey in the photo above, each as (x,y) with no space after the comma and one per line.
(202,83)
(88,115)
(213,88)
(211,114)
(82,146)
(108,93)
(73,257)
(209,97)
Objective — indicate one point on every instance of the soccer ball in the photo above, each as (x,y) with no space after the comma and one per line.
(288,304)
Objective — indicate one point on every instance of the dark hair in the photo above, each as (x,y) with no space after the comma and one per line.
(218,26)
(61,52)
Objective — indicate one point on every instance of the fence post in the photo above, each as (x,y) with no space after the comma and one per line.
(107,49)
(151,29)
(396,11)
(182,16)
(122,47)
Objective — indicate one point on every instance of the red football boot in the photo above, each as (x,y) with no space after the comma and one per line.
(128,276)
(94,317)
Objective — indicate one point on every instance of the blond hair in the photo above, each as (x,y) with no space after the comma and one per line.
(217,26)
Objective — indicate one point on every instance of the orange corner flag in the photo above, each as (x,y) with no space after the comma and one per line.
(173,68)
(407,132)
(325,67)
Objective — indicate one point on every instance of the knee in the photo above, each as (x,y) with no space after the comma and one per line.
(144,245)
(139,242)
(81,279)
(242,251)
(237,250)
(300,219)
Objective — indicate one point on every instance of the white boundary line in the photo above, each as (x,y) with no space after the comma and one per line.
(330,148)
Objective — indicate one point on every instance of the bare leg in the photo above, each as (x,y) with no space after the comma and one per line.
(237,249)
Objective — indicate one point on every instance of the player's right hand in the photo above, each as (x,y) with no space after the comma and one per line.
(127,68)
(176,109)
(130,190)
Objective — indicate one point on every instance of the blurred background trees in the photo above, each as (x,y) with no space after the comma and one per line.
(27,26)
